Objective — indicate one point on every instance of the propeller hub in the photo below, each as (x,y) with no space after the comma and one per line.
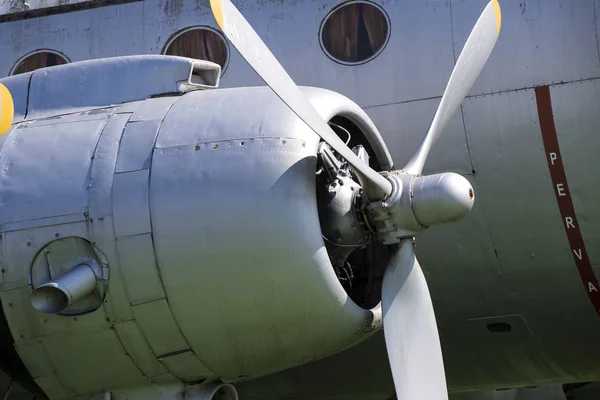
(418,202)
(441,198)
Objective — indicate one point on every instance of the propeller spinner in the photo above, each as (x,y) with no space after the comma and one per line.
(401,203)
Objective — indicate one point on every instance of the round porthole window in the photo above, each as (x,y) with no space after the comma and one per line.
(38,59)
(203,43)
(355,32)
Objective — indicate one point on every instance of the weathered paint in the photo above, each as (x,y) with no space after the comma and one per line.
(563,196)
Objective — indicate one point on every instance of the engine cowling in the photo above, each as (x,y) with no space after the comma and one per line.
(197,213)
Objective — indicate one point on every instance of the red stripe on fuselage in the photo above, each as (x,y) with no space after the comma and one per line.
(563,195)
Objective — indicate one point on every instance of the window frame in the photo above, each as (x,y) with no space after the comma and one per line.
(374,55)
(34,52)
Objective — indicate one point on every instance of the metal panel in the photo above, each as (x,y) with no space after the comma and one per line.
(153,109)
(18,85)
(25,322)
(37,223)
(103,167)
(129,107)
(138,349)
(103,82)
(130,203)
(138,266)
(52,387)
(541,42)
(135,151)
(415,64)
(159,327)
(186,366)
(504,137)
(577,122)
(33,354)
(91,360)
(136,146)
(404,125)
(101,228)
(468,250)
(20,247)
(31,171)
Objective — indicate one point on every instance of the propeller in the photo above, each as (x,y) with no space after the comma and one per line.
(259,57)
(412,202)
(7,109)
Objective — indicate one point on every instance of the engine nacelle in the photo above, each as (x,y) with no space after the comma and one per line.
(199,207)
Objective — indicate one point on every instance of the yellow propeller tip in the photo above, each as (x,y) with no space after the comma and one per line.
(217,9)
(7,109)
(498,14)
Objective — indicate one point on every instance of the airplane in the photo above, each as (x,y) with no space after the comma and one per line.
(512,283)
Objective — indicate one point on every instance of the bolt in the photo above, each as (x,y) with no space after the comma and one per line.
(28,243)
(197,148)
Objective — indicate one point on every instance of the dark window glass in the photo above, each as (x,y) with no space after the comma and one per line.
(203,44)
(39,60)
(355,32)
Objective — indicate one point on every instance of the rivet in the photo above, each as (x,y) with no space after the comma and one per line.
(28,243)
(197,148)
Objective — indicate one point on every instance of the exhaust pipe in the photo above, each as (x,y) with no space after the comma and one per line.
(212,391)
(54,296)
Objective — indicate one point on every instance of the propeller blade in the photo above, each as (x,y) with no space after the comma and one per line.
(411,335)
(256,53)
(7,109)
(473,57)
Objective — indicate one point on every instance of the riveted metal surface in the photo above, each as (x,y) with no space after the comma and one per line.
(140,274)
(50,221)
(186,366)
(540,43)
(500,129)
(138,349)
(20,247)
(30,170)
(470,252)
(415,64)
(26,322)
(153,109)
(96,350)
(130,203)
(537,261)
(136,145)
(159,327)
(183,127)
(138,139)
(18,85)
(83,85)
(574,128)
(301,312)
(100,227)
(406,124)
(38,363)
(40,367)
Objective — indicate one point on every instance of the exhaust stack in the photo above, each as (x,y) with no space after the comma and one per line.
(54,296)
